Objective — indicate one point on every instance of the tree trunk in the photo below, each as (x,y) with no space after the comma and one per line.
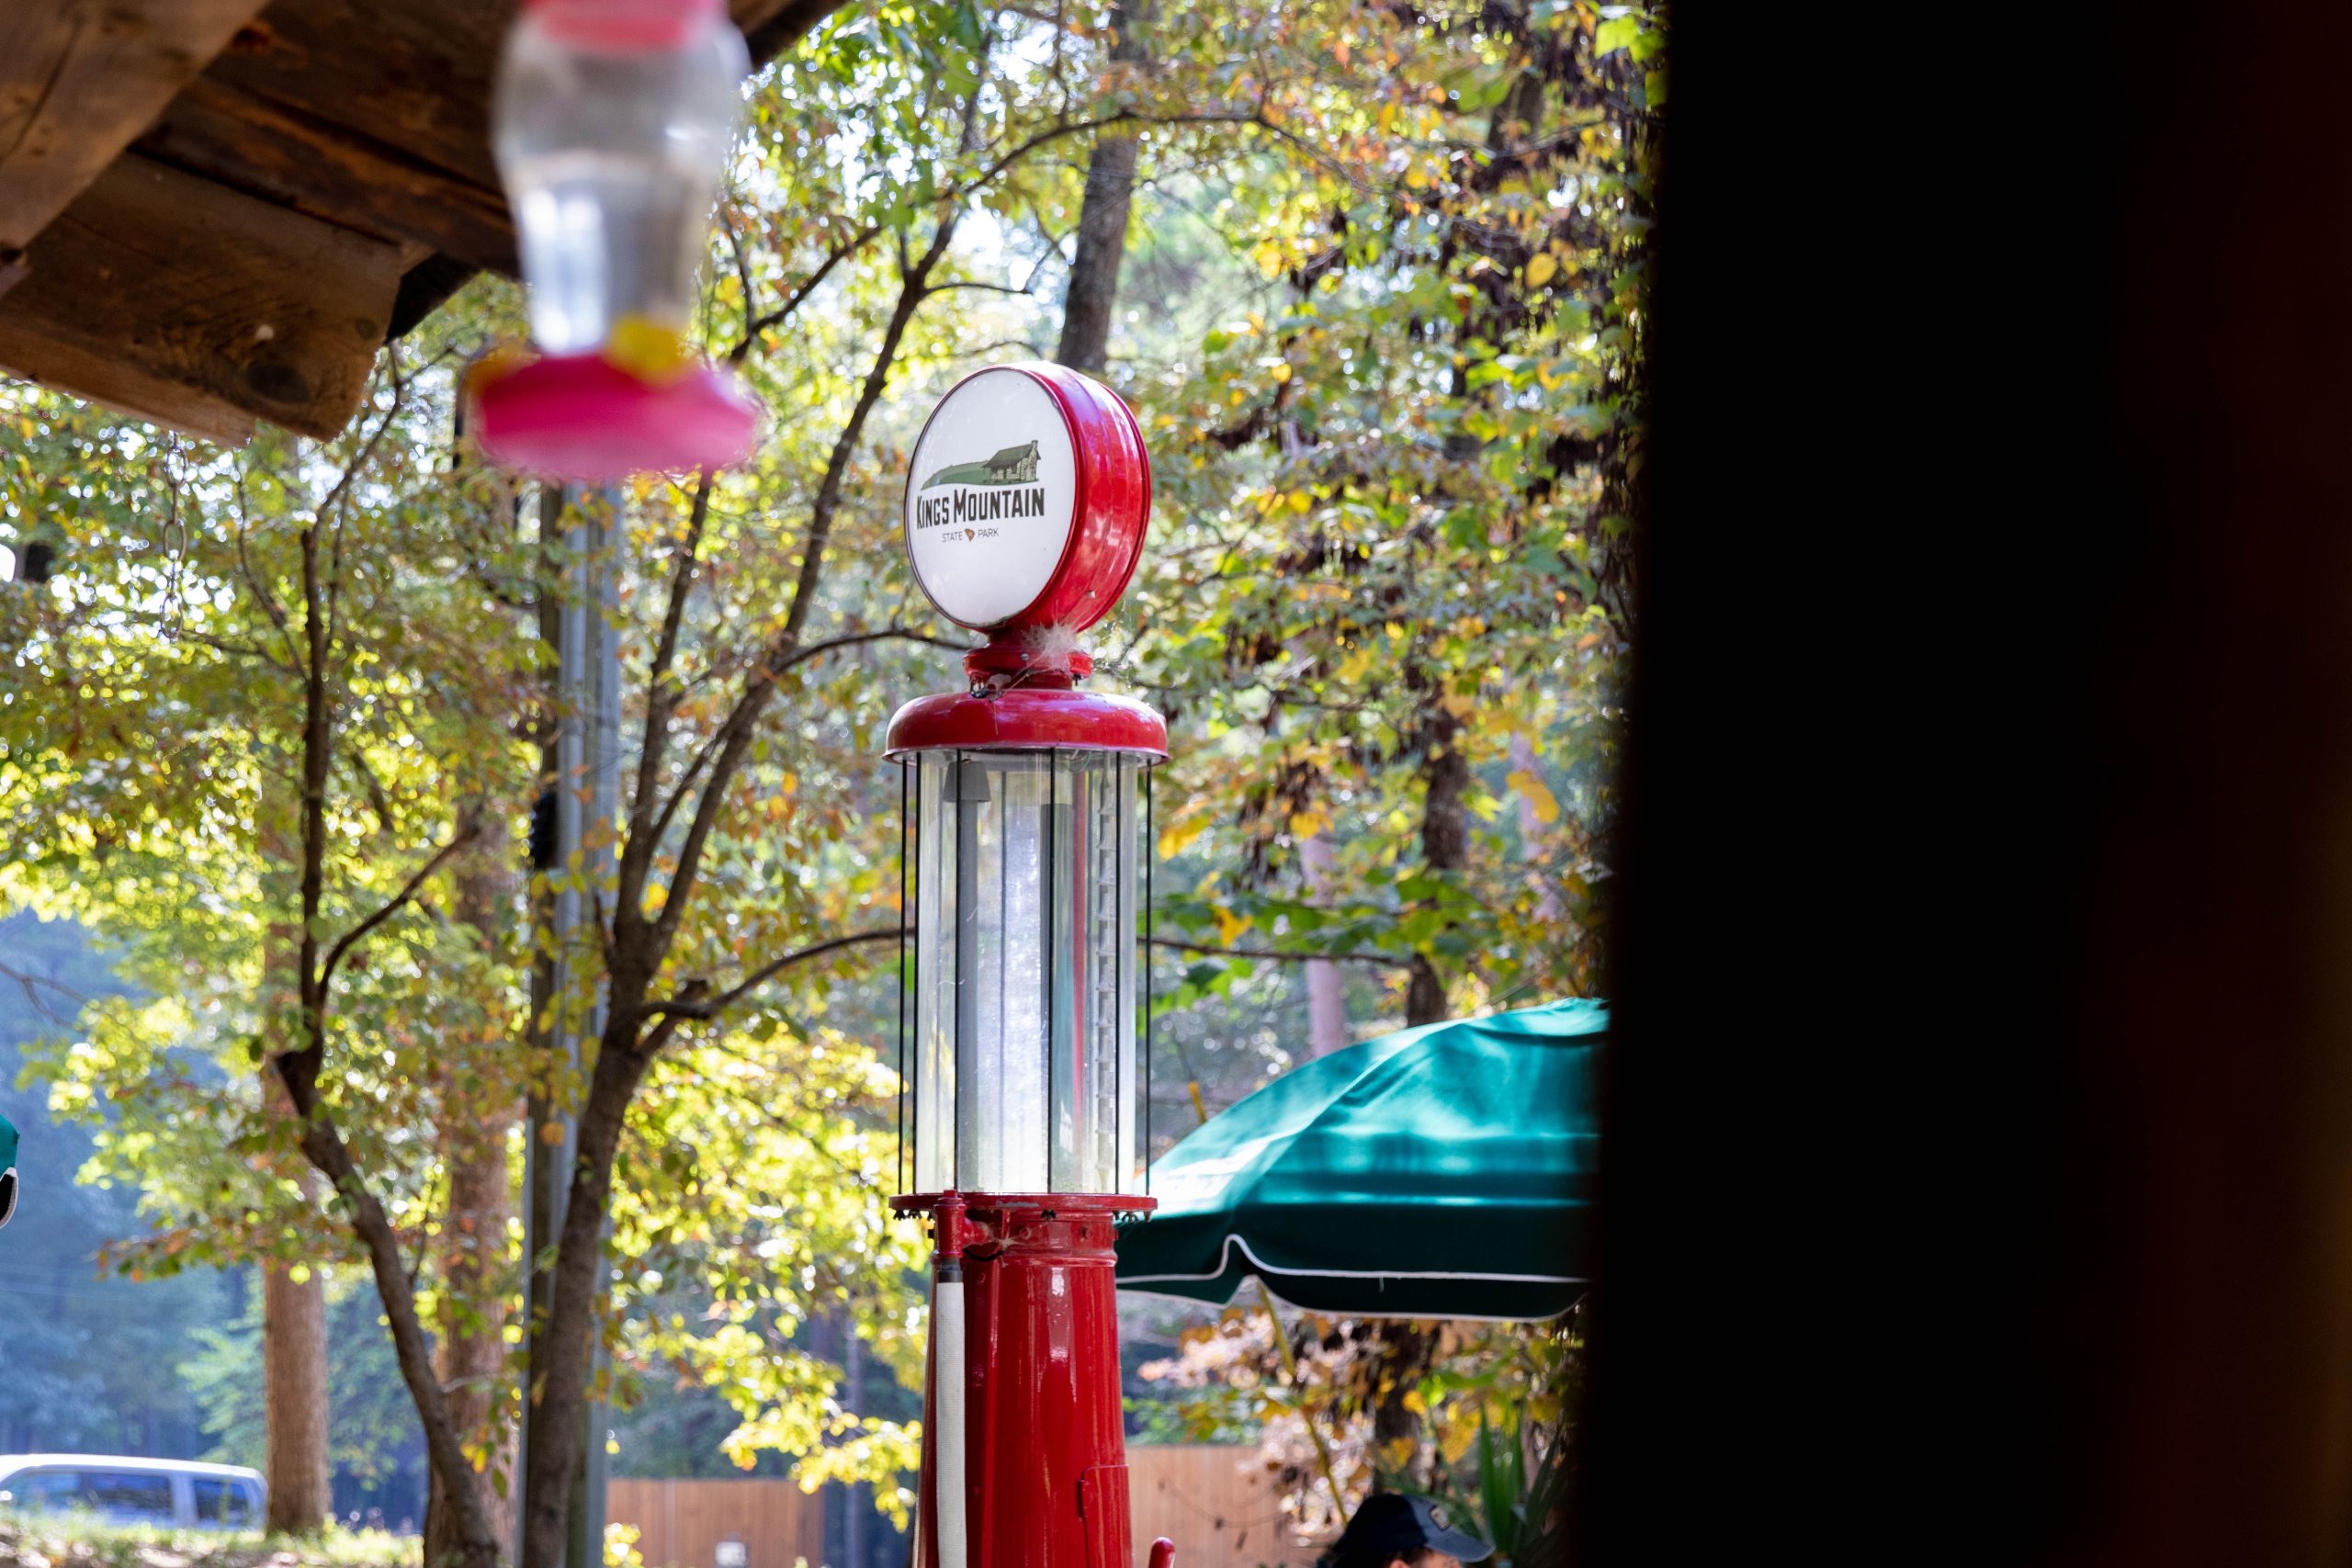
(1102,218)
(1445,842)
(558,1409)
(556,1414)
(293,1314)
(1327,1003)
(296,1071)
(860,1502)
(469,1355)
(294,1396)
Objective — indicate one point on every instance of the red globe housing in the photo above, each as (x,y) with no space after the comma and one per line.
(1109,506)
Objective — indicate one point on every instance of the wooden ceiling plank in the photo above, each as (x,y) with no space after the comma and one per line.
(79,79)
(297,159)
(126,389)
(156,285)
(377,116)
(415,75)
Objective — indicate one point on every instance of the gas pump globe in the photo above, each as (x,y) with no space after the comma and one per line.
(1028,499)
(612,122)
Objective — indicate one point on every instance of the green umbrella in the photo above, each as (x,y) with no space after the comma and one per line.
(7,1170)
(1444,1171)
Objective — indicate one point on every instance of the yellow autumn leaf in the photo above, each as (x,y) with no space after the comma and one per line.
(1540,269)
(1229,925)
(1177,834)
(1281,372)
(1306,823)
(1538,795)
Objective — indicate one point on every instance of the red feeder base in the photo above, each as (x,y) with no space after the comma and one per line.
(580,417)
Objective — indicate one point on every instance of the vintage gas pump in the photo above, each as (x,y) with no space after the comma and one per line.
(1026,504)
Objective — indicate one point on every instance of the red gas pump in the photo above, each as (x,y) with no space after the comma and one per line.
(1027,500)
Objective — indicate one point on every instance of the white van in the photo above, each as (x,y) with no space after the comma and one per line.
(169,1493)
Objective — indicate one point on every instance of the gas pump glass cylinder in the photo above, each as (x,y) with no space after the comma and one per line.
(1024,989)
(615,117)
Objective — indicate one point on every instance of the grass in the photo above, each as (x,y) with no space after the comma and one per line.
(78,1541)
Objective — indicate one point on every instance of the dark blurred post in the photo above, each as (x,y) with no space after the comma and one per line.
(1979,1151)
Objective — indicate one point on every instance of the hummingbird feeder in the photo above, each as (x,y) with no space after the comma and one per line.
(1022,1097)
(614,118)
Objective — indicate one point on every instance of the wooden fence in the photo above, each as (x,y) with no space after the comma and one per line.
(679,1524)
(1216,1504)
(1217,1508)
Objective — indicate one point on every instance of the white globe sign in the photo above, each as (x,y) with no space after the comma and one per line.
(992,497)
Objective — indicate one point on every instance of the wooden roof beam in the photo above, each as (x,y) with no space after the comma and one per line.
(181,301)
(78,80)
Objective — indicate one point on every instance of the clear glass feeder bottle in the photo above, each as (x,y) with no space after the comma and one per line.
(614,125)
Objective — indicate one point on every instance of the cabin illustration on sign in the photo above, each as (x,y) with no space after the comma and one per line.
(1012,466)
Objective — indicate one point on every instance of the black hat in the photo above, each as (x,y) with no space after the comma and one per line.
(1397,1524)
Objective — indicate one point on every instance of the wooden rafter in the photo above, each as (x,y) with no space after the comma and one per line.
(179,301)
(298,177)
(79,79)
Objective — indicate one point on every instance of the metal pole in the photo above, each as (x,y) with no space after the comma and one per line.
(600,608)
(555,834)
(585,766)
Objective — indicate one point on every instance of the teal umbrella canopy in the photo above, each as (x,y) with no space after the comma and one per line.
(1444,1171)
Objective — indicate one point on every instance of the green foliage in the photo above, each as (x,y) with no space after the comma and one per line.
(1396,476)
(375,1449)
(1492,1407)
(82,1347)
(47,1543)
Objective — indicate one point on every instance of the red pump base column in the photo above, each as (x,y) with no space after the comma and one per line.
(1045,1471)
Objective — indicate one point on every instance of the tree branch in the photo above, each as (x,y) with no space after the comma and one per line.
(757,327)
(1381,960)
(686,1006)
(457,840)
(740,722)
(661,701)
(710,746)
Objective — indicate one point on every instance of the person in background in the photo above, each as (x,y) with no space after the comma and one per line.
(1394,1528)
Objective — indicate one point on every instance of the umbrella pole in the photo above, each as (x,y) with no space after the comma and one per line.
(1290,1361)
(1306,1413)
